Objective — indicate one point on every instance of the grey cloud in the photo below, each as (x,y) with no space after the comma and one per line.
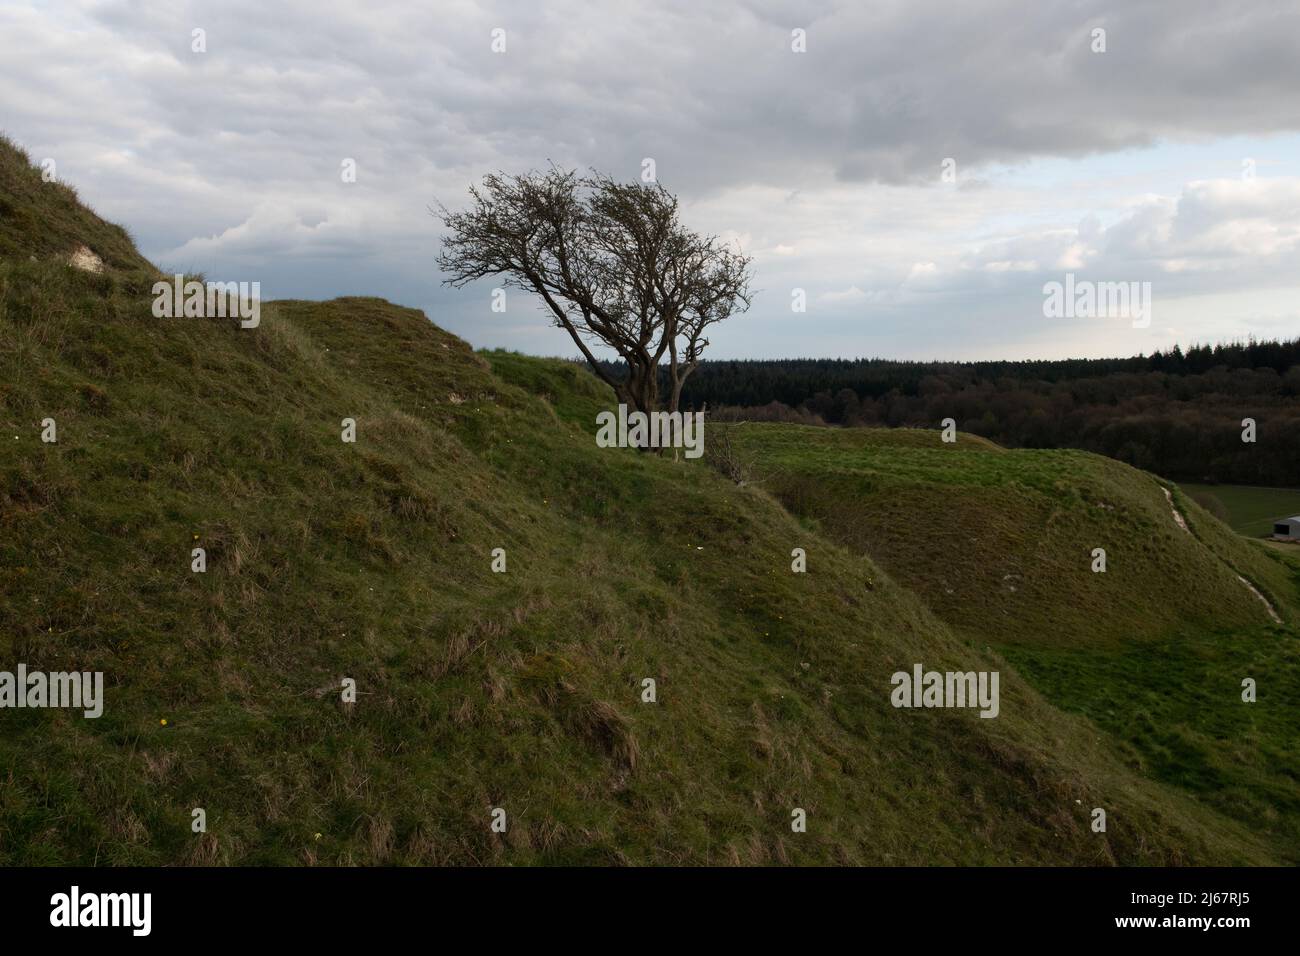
(884,92)
(826,162)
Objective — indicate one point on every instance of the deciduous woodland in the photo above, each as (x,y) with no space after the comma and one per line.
(1176,413)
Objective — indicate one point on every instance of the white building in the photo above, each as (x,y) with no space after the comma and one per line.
(1287,529)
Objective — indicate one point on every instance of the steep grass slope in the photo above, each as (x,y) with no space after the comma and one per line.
(40,219)
(521,690)
(1153,651)
(1000,543)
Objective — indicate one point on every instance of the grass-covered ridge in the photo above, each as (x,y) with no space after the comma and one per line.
(520,690)
(42,218)
(1153,651)
(1000,543)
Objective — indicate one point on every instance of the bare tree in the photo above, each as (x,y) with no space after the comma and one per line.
(611,262)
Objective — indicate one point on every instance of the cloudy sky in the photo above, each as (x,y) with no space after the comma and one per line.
(1173,157)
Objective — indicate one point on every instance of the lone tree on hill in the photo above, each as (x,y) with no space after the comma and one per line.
(611,262)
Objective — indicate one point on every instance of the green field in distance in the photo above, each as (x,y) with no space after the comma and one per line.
(1247,509)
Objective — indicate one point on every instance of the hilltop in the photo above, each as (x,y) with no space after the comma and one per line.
(1000,542)
(524,690)
(1002,545)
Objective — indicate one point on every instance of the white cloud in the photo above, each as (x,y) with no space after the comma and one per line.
(850,295)
(824,165)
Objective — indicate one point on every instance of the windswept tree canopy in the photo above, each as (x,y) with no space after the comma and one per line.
(612,263)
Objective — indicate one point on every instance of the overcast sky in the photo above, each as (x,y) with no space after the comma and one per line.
(1173,157)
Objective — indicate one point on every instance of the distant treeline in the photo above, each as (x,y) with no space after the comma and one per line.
(1176,413)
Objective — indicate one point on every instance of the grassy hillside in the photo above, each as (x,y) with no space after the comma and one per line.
(999,544)
(40,219)
(476,690)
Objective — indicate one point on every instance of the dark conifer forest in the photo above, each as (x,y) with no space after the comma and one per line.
(1177,413)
